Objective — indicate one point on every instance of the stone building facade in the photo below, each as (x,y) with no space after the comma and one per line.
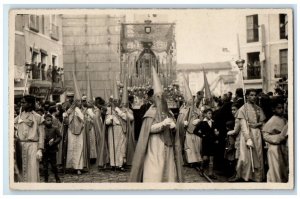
(38,42)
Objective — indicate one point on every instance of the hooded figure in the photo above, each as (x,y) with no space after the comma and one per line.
(130,141)
(89,115)
(192,143)
(157,156)
(115,127)
(76,134)
(101,136)
(184,111)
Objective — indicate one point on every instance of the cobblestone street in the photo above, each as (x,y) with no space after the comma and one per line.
(109,176)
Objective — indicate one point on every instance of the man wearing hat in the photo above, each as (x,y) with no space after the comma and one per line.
(30,135)
(157,156)
(69,100)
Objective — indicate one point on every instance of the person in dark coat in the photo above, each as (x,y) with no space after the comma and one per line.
(144,108)
(140,115)
(52,139)
(221,117)
(207,130)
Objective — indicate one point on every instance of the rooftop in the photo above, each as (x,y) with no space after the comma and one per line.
(206,66)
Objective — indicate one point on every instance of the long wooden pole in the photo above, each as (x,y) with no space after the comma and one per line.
(247,124)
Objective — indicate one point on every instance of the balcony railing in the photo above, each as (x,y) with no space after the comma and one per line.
(254,72)
(281,75)
(36,71)
(54,32)
(34,23)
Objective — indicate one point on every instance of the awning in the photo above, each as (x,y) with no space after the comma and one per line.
(57,88)
(43,51)
(40,88)
(35,50)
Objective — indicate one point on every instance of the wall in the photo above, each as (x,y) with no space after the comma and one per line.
(196,81)
(273,44)
(26,38)
(90,34)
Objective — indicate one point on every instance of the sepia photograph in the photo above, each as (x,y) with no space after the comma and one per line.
(130,99)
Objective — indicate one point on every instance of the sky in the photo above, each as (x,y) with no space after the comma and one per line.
(201,36)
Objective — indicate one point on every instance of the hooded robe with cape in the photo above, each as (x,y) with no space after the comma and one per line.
(101,140)
(182,116)
(192,144)
(130,137)
(116,130)
(156,146)
(75,139)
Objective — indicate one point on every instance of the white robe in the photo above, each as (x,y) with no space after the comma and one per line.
(158,157)
(277,149)
(116,139)
(32,139)
(75,142)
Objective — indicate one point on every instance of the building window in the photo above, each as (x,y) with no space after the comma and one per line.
(34,60)
(34,23)
(252,28)
(19,23)
(43,58)
(43,64)
(54,33)
(43,25)
(53,19)
(54,60)
(283,54)
(35,55)
(283,26)
(253,66)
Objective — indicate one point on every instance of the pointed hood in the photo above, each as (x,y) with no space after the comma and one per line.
(125,93)
(115,90)
(89,93)
(159,98)
(206,86)
(157,87)
(187,91)
(77,93)
(106,98)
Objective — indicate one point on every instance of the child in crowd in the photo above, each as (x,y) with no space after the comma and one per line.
(206,129)
(52,139)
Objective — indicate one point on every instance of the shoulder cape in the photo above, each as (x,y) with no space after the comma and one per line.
(136,174)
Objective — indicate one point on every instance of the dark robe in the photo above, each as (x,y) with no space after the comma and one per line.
(130,140)
(101,140)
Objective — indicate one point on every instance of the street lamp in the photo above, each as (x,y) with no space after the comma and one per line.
(240,63)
